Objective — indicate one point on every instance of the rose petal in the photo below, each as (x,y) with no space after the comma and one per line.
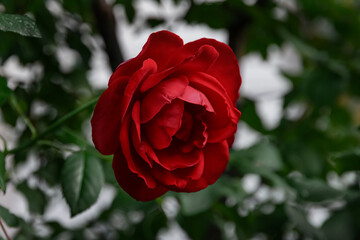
(223,124)
(177,179)
(167,178)
(159,46)
(161,95)
(216,158)
(131,183)
(140,147)
(194,172)
(173,158)
(135,163)
(226,67)
(186,126)
(106,119)
(148,67)
(194,96)
(164,125)
(200,61)
(200,134)
(204,58)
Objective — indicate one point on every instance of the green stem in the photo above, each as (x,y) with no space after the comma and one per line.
(53,126)
(55,146)
(16,106)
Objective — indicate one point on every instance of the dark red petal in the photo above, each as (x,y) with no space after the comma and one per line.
(140,146)
(201,60)
(164,125)
(194,172)
(194,96)
(131,183)
(172,158)
(167,178)
(227,132)
(225,68)
(216,158)
(135,163)
(200,134)
(160,46)
(105,121)
(226,116)
(177,179)
(186,126)
(148,67)
(164,93)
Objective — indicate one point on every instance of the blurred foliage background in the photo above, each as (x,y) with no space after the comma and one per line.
(308,164)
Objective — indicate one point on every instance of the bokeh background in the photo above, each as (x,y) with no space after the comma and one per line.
(294,167)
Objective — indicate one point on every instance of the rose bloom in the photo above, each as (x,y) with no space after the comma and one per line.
(169,116)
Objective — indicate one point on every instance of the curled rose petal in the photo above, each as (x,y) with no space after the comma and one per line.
(160,130)
(161,95)
(131,183)
(169,116)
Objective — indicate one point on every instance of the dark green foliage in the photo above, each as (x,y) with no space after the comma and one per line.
(35,198)
(4,91)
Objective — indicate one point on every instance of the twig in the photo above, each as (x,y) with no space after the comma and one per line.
(106,25)
(4,230)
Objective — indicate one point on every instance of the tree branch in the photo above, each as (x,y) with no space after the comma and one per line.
(106,24)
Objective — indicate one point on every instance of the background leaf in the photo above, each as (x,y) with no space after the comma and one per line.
(5,92)
(82,179)
(10,219)
(22,25)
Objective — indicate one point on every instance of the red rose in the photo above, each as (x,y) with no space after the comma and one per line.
(169,116)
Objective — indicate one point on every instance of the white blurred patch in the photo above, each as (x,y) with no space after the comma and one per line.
(250,182)
(173,232)
(67,58)
(170,206)
(245,136)
(58,210)
(16,72)
(295,111)
(318,215)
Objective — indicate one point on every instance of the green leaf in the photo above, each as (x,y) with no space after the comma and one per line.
(152,223)
(5,92)
(346,161)
(313,84)
(215,15)
(339,226)
(36,198)
(250,116)
(315,190)
(51,165)
(2,172)
(262,155)
(197,202)
(10,219)
(82,178)
(22,25)
(194,203)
